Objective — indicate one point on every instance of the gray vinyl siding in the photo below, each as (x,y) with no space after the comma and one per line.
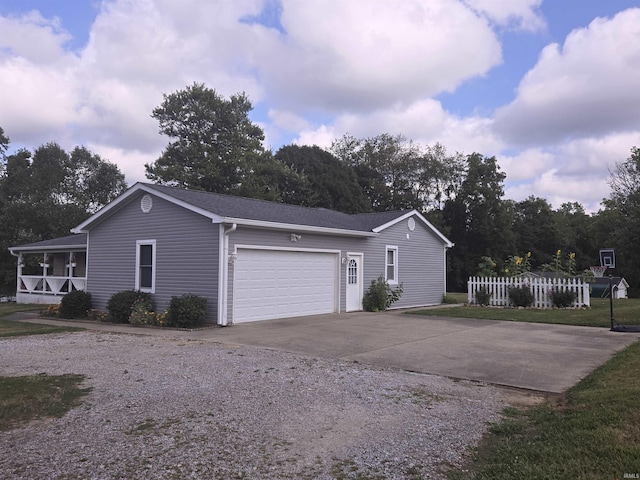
(420,263)
(186,253)
(420,258)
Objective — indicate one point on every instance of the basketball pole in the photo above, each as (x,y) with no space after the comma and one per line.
(611,299)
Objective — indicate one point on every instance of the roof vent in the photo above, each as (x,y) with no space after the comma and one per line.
(146,203)
(411,224)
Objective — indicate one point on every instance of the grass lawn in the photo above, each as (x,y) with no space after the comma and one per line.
(9,328)
(593,432)
(27,398)
(625,311)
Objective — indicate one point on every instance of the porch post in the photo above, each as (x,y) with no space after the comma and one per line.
(70,273)
(19,276)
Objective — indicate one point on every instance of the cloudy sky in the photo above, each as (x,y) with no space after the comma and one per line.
(551,88)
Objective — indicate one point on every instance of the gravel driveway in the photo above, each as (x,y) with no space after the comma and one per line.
(169,408)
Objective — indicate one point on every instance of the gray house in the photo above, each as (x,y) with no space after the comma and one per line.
(252,259)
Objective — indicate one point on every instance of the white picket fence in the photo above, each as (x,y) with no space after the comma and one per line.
(541,288)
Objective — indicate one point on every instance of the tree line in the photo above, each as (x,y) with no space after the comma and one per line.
(214,146)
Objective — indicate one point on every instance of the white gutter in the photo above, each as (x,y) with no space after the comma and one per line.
(296,227)
(223,301)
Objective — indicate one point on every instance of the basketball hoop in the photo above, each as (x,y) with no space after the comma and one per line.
(598,271)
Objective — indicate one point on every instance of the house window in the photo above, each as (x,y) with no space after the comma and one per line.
(391,270)
(352,272)
(146,266)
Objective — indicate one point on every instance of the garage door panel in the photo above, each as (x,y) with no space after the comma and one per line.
(277,284)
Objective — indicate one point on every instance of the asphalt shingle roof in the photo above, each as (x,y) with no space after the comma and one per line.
(252,209)
(78,240)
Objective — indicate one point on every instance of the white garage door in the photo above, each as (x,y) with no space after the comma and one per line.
(277,284)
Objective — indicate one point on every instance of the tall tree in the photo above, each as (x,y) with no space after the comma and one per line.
(214,145)
(536,230)
(92,182)
(622,211)
(326,182)
(479,220)
(396,173)
(45,194)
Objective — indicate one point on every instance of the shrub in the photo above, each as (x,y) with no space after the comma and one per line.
(186,311)
(99,315)
(380,295)
(483,297)
(121,303)
(521,296)
(140,315)
(562,298)
(53,310)
(75,304)
(447,298)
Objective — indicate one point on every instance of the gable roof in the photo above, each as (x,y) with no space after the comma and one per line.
(70,242)
(229,209)
(604,281)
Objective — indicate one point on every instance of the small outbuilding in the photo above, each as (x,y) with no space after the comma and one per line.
(252,259)
(600,287)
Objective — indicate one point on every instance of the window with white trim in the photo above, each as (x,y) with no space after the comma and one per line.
(391,265)
(352,272)
(146,266)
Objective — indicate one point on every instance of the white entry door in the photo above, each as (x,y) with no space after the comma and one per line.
(354,282)
(279,283)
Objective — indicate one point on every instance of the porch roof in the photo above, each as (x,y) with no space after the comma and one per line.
(70,242)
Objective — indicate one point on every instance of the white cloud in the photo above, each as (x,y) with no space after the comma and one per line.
(587,87)
(521,14)
(362,56)
(577,171)
(33,38)
(424,122)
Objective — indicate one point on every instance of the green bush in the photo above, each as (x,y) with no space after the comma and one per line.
(483,297)
(380,295)
(447,298)
(75,304)
(562,298)
(140,315)
(120,304)
(521,296)
(186,311)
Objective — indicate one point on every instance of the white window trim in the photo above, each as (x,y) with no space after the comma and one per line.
(153,266)
(393,248)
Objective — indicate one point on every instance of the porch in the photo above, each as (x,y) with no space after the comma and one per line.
(50,269)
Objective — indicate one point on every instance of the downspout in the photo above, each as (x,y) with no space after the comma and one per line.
(224,303)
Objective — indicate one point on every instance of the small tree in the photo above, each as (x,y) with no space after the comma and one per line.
(380,295)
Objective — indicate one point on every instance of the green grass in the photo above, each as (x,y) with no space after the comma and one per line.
(593,432)
(625,311)
(9,328)
(23,399)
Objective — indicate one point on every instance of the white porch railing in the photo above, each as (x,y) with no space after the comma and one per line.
(50,285)
(498,288)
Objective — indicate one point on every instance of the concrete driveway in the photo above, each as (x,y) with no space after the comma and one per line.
(534,356)
(548,358)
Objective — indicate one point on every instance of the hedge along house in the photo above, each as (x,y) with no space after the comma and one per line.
(257,260)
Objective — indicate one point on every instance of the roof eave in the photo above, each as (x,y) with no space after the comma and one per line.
(85,226)
(19,249)
(298,228)
(447,243)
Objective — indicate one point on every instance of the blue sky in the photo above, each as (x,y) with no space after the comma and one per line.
(548,87)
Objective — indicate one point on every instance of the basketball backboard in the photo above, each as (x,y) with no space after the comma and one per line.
(608,258)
